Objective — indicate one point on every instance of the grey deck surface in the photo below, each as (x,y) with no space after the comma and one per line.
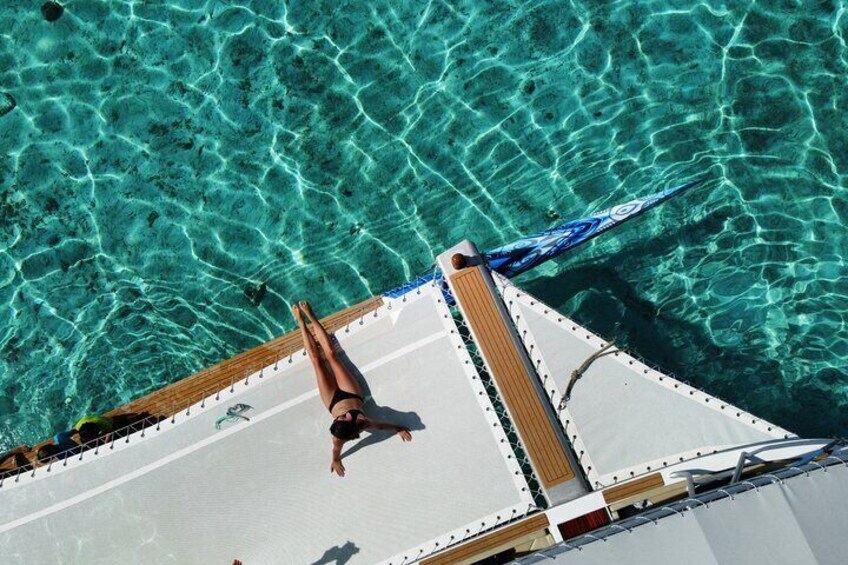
(261,491)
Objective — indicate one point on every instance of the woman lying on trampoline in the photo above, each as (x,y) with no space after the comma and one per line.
(339,390)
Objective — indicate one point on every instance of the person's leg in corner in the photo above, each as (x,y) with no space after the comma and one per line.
(326,381)
(344,379)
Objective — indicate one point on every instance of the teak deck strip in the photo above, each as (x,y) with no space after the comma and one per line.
(490,544)
(175,397)
(659,495)
(620,492)
(509,371)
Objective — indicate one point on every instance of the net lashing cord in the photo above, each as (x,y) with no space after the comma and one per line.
(499,408)
(577,373)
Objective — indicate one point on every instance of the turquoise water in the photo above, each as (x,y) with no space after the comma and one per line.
(174,174)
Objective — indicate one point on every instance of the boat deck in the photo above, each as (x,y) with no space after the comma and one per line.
(167,401)
(618,414)
(261,491)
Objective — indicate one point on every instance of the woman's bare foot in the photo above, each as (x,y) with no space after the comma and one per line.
(321,334)
(305,306)
(298,314)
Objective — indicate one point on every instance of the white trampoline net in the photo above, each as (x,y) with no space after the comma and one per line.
(624,418)
(261,491)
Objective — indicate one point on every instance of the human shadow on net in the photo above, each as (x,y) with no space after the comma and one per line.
(338,554)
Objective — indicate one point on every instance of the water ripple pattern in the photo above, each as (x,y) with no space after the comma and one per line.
(174,174)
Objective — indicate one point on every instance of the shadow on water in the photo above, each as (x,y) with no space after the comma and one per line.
(598,294)
(375,411)
(338,554)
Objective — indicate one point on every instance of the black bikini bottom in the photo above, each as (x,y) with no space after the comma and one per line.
(340,395)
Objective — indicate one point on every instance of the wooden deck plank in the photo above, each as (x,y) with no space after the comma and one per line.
(631,488)
(536,423)
(499,363)
(512,376)
(486,545)
(658,495)
(525,392)
(525,396)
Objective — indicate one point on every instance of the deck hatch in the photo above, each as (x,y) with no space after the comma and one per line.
(584,524)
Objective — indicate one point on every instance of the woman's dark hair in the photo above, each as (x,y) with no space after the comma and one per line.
(344,429)
(89,432)
(47,451)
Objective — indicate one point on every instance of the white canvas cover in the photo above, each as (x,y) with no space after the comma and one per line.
(261,491)
(624,418)
(799,520)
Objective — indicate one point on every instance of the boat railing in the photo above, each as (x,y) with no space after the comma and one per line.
(125,434)
(751,456)
(679,508)
(178,409)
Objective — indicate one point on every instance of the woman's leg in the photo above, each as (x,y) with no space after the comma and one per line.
(344,379)
(326,381)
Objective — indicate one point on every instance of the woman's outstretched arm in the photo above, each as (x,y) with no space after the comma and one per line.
(402,431)
(336,466)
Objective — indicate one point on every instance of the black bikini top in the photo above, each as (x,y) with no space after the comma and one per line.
(354,413)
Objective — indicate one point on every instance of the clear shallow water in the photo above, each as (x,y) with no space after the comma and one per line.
(165,160)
